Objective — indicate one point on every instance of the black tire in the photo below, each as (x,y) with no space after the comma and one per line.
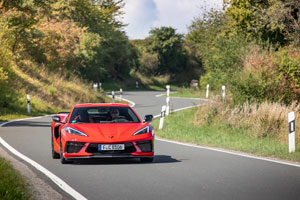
(62,159)
(54,154)
(146,159)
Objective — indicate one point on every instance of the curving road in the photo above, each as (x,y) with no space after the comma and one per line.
(178,171)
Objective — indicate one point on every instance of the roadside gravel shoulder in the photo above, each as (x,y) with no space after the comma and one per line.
(39,188)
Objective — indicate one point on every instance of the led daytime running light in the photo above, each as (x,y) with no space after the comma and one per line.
(142,131)
(74,131)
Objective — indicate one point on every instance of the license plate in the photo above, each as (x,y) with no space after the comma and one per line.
(107,147)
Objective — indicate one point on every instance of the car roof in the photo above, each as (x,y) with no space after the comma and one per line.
(100,105)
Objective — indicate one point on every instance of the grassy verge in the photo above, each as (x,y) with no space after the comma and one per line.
(12,184)
(193,93)
(180,126)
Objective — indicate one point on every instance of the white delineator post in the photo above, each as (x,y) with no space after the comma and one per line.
(100,86)
(291,132)
(28,103)
(223,91)
(168,100)
(113,96)
(137,84)
(121,92)
(207,90)
(162,117)
(95,86)
(168,106)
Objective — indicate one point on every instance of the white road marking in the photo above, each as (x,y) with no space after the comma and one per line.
(16,120)
(156,116)
(77,195)
(229,152)
(164,94)
(63,185)
(131,102)
(222,150)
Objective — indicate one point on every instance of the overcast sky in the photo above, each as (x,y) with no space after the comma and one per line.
(142,15)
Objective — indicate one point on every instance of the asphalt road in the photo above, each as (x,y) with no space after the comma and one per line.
(178,172)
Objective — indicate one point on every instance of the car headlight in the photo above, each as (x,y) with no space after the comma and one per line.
(74,131)
(146,129)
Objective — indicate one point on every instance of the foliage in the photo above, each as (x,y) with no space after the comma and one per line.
(167,44)
(252,48)
(204,30)
(273,21)
(12,184)
(42,38)
(272,76)
(223,61)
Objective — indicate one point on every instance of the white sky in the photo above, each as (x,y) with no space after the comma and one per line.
(142,15)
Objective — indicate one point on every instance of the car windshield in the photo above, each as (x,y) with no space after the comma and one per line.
(103,114)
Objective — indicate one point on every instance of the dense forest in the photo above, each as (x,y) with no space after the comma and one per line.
(55,49)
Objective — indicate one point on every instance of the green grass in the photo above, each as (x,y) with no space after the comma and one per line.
(12,183)
(192,93)
(180,126)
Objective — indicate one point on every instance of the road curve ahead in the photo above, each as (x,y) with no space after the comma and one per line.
(178,172)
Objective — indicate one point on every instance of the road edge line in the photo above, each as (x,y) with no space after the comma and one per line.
(222,150)
(119,98)
(58,181)
(229,152)
(22,119)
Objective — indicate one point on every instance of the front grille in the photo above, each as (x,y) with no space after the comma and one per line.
(74,147)
(94,148)
(145,146)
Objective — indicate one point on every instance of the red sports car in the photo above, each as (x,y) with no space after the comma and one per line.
(101,131)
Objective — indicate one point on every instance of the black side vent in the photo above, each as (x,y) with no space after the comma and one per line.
(145,146)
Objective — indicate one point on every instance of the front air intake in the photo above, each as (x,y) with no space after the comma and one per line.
(145,146)
(74,147)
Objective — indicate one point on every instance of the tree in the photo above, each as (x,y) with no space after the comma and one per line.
(169,48)
(273,21)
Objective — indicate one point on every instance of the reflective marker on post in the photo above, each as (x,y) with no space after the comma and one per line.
(121,92)
(162,116)
(168,106)
(113,96)
(28,103)
(291,132)
(207,90)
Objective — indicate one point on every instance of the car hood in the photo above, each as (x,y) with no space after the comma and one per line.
(111,132)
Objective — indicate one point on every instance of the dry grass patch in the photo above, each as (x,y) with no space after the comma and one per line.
(262,120)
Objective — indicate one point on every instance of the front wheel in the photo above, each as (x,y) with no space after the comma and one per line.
(62,159)
(146,159)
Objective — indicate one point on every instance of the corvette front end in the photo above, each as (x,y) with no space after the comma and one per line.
(95,134)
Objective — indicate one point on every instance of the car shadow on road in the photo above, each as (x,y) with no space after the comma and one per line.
(28,124)
(158,159)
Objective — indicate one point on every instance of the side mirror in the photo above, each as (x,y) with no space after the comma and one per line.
(56,118)
(148,118)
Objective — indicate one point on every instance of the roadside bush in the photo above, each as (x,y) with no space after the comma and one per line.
(267,76)
(223,61)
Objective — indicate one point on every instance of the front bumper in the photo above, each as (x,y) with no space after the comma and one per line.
(133,149)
